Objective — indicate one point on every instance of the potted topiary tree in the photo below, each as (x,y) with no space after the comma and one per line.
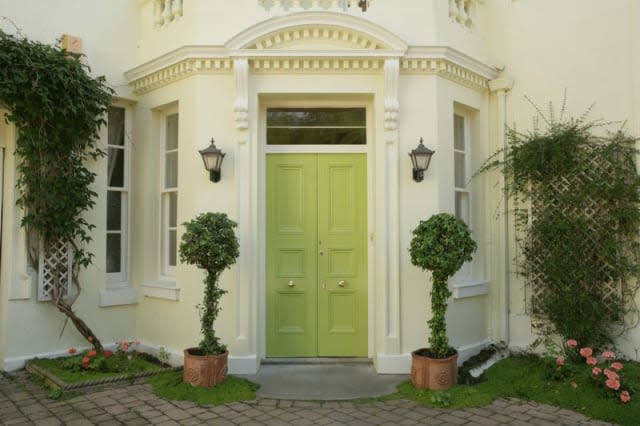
(441,245)
(210,243)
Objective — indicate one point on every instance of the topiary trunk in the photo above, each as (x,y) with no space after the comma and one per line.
(438,340)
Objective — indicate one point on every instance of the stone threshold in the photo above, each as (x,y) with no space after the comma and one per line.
(314,361)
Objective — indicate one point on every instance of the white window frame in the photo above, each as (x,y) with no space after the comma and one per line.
(121,279)
(167,271)
(465,270)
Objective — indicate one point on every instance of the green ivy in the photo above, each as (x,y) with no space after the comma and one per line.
(581,232)
(58,109)
(441,245)
(210,243)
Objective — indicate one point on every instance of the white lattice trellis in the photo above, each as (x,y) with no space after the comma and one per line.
(592,212)
(55,267)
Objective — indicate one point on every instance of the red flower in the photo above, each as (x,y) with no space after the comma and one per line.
(108,354)
(92,353)
(560,361)
(591,360)
(617,366)
(72,351)
(596,371)
(608,355)
(625,397)
(124,346)
(611,374)
(586,352)
(85,361)
(613,384)
(572,343)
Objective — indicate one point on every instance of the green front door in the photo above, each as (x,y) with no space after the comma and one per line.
(316,255)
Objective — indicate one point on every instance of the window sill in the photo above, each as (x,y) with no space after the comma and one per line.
(468,287)
(116,296)
(167,290)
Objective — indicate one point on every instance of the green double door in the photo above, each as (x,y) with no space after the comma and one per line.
(316,255)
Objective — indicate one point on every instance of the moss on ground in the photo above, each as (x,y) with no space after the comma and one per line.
(169,385)
(523,377)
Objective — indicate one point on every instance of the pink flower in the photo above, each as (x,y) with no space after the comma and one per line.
(591,360)
(72,351)
(90,338)
(617,366)
(586,352)
(608,355)
(611,374)
(574,385)
(596,371)
(124,346)
(85,361)
(613,384)
(92,353)
(560,361)
(625,397)
(108,354)
(572,343)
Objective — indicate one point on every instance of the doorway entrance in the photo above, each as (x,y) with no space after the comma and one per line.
(316,254)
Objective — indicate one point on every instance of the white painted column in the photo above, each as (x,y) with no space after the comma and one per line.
(244,358)
(387,362)
(500,87)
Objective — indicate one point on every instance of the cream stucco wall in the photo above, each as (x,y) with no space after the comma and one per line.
(589,47)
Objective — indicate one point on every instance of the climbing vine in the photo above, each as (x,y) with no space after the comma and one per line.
(578,231)
(58,109)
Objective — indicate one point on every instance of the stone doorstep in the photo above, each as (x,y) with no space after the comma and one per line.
(54,382)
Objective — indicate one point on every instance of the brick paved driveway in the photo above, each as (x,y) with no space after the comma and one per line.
(24,403)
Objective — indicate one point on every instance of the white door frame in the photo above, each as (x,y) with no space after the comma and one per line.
(296,101)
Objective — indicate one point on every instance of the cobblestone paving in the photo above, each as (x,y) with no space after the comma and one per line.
(23,402)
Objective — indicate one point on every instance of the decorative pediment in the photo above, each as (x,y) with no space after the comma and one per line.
(318,34)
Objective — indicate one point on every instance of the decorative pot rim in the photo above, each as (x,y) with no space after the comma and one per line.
(416,354)
(187,351)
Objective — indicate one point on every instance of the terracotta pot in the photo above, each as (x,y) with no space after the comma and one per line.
(433,373)
(204,370)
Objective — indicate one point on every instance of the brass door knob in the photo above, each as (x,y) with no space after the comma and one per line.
(291,284)
(342,283)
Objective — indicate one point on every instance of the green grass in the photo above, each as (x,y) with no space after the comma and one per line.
(136,365)
(523,377)
(169,385)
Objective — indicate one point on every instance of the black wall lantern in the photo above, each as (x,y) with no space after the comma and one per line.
(212,158)
(420,157)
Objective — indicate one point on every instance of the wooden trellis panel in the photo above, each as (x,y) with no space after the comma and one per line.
(591,211)
(55,265)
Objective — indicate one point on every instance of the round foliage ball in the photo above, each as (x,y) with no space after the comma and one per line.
(441,245)
(210,242)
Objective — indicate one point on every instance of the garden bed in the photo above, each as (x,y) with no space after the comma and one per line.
(525,377)
(56,376)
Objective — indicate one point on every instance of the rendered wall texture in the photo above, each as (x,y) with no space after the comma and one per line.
(588,47)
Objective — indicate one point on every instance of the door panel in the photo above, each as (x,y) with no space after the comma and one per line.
(291,255)
(342,260)
(316,255)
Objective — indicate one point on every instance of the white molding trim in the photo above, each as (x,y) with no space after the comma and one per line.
(463,288)
(401,364)
(115,296)
(241,104)
(273,26)
(455,56)
(391,103)
(161,290)
(193,60)
(249,364)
